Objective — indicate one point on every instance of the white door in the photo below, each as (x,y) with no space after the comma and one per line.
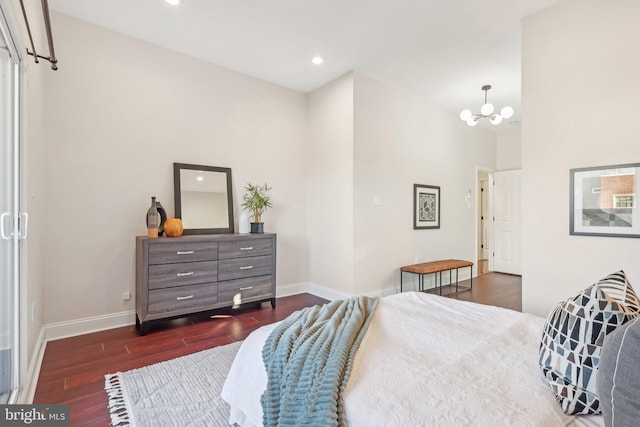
(507,238)
(9,221)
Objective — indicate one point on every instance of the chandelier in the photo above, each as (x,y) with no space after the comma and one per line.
(486,111)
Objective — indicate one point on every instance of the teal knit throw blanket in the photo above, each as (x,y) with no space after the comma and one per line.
(308,359)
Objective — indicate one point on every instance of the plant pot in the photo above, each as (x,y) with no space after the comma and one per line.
(257,227)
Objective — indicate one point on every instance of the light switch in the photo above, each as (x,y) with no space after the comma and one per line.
(377,200)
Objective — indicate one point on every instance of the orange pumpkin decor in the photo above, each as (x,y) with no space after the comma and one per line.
(173,227)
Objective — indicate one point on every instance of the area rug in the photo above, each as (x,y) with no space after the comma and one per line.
(180,392)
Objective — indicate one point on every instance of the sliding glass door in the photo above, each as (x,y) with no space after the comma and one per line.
(9,220)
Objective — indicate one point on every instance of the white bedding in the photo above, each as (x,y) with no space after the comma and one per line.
(428,361)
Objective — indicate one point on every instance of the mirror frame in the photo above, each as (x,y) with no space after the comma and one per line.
(177,194)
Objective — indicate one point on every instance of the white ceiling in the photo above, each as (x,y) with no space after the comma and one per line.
(441,50)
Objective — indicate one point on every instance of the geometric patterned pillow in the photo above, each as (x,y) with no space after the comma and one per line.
(572,340)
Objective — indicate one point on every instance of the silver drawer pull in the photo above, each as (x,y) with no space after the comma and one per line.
(184,274)
(184,252)
(183,298)
(248,248)
(248,267)
(247,288)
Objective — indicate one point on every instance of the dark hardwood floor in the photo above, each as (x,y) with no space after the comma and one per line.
(499,289)
(73,369)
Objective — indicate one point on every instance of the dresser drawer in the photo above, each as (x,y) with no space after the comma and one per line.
(182,251)
(181,274)
(244,267)
(246,248)
(183,297)
(248,289)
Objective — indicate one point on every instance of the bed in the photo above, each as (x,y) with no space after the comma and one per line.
(426,361)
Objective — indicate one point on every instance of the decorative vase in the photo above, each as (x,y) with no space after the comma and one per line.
(173,227)
(163,218)
(243,223)
(257,227)
(153,219)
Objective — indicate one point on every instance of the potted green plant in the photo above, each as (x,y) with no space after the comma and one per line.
(256,201)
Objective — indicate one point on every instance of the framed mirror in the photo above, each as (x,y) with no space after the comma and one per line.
(603,201)
(203,198)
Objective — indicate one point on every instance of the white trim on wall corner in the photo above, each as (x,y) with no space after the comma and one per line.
(33,373)
(384,292)
(292,289)
(326,293)
(72,328)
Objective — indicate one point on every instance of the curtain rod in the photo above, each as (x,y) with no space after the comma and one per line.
(47,23)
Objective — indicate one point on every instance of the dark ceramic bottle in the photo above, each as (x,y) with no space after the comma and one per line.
(163,218)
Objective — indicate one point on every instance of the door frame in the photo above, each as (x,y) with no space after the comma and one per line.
(476,211)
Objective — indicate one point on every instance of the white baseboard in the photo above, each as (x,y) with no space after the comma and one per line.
(383,292)
(327,293)
(310,288)
(33,373)
(72,328)
(292,289)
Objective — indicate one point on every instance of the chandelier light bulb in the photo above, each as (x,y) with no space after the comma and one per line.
(465,115)
(486,109)
(486,112)
(506,112)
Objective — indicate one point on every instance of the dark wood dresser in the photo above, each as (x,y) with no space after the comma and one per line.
(189,274)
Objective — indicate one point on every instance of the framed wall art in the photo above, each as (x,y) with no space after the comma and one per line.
(603,201)
(426,206)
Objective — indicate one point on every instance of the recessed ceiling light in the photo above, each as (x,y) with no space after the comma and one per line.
(173,2)
(200,178)
(317,60)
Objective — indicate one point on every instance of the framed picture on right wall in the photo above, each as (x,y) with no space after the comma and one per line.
(426,206)
(603,201)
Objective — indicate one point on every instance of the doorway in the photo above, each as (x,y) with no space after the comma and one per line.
(499,221)
(483,221)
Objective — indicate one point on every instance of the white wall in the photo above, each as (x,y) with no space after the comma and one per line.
(330,189)
(119,112)
(509,150)
(580,103)
(32,201)
(400,141)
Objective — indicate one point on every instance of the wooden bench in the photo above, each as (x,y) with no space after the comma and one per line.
(437,267)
